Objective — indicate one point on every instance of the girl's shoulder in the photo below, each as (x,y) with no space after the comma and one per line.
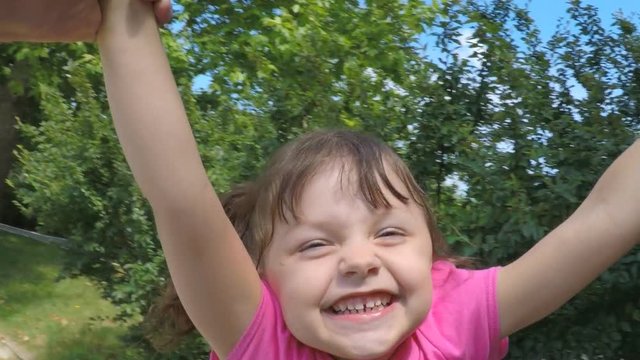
(268,337)
(463,322)
(446,276)
(473,292)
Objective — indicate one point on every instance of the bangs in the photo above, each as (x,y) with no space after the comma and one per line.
(364,166)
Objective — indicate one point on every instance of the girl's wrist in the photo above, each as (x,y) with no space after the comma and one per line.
(124,19)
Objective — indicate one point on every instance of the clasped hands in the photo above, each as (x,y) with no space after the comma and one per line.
(59,20)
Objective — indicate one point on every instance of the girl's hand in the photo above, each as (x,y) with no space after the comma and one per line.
(59,20)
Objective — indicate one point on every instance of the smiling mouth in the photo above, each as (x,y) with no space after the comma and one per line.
(362,305)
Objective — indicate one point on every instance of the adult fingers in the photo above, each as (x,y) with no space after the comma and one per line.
(163,11)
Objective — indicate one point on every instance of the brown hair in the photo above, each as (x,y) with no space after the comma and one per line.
(255,207)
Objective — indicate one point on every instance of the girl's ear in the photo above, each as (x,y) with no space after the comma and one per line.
(260,268)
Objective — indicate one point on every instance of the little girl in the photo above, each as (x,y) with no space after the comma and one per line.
(333,252)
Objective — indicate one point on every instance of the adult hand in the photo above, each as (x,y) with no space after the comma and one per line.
(59,20)
(163,11)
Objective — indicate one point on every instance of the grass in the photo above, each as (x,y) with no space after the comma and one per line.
(54,318)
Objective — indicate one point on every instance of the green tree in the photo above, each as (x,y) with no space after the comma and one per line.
(505,122)
(490,126)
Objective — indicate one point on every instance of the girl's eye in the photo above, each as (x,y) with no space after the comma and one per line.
(312,245)
(390,232)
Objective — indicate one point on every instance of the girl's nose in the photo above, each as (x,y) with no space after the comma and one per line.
(359,261)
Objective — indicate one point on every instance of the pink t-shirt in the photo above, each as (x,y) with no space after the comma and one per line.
(462,324)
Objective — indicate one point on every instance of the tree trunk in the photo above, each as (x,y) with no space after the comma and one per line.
(8,140)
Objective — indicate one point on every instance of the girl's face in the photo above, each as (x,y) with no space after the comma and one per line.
(352,281)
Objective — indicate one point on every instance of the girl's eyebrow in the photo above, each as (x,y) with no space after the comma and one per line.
(379,215)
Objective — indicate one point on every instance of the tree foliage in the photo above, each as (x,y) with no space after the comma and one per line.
(506,132)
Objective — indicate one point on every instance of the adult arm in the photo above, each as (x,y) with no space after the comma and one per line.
(59,20)
(49,21)
(598,233)
(211,270)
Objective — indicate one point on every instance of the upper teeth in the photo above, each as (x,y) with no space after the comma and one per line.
(360,303)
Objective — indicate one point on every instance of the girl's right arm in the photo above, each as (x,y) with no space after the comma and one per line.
(212,272)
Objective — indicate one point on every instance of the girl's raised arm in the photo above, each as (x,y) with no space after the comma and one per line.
(212,272)
(602,229)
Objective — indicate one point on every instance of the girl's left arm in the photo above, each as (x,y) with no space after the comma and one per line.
(598,233)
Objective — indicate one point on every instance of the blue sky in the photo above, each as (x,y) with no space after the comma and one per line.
(547,12)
